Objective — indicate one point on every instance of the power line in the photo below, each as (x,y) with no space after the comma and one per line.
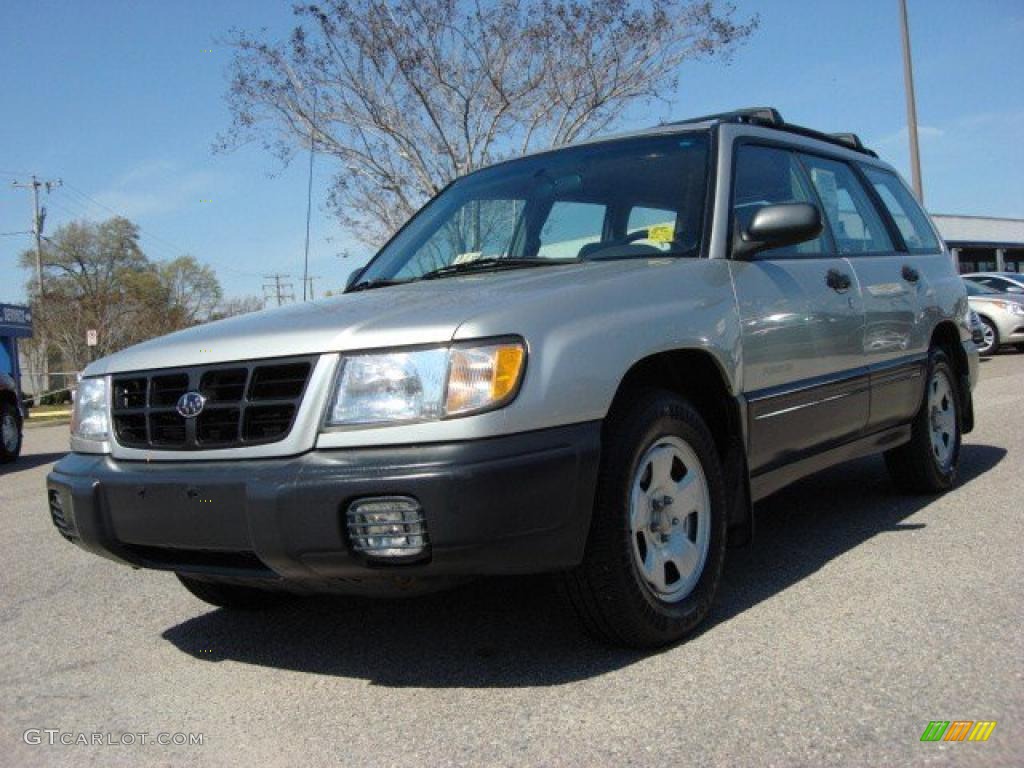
(175,249)
(75,190)
(75,212)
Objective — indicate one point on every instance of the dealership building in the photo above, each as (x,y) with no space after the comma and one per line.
(983,243)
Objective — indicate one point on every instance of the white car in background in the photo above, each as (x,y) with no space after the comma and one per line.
(1003,282)
(1001,315)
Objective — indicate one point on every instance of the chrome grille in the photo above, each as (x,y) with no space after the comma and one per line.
(246,404)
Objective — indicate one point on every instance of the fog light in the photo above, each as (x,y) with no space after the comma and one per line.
(60,518)
(387,526)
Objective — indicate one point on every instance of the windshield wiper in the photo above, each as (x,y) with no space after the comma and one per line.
(620,256)
(379,282)
(489,264)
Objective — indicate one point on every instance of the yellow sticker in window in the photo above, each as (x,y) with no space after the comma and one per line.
(661,233)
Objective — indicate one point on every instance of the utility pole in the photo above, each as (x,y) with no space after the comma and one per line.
(277,289)
(309,199)
(38,219)
(309,282)
(908,80)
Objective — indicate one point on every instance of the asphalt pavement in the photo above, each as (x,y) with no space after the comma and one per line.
(856,617)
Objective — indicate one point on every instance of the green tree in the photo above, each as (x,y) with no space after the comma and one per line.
(96,276)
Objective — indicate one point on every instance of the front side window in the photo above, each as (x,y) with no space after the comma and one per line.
(856,225)
(572,204)
(911,221)
(768,176)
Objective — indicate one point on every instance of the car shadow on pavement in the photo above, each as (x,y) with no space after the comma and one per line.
(512,632)
(30,461)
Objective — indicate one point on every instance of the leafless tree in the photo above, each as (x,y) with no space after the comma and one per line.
(410,94)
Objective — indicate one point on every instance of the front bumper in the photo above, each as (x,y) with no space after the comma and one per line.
(513,504)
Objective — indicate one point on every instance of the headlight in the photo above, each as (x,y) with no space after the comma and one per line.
(89,417)
(1010,306)
(426,385)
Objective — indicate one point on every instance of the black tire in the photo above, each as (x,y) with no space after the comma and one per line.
(989,349)
(10,446)
(913,466)
(225,595)
(1019,347)
(612,599)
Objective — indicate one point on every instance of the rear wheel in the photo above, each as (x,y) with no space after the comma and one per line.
(232,595)
(928,463)
(1019,347)
(10,432)
(657,538)
(990,337)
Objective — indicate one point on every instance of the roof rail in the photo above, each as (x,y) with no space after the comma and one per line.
(851,140)
(770,118)
(755,115)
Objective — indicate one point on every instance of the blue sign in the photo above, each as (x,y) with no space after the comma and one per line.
(15,321)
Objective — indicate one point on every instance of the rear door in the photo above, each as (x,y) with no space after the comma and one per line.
(802,324)
(899,266)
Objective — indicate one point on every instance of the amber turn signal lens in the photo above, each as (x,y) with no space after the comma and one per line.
(480,378)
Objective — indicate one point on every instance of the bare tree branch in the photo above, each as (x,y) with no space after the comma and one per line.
(413,93)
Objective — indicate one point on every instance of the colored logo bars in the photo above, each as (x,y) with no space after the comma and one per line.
(958,730)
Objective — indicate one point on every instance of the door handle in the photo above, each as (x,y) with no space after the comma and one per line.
(910,274)
(837,281)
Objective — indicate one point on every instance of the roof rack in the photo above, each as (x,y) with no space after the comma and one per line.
(752,115)
(770,117)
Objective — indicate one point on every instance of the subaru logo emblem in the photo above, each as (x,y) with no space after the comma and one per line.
(191,404)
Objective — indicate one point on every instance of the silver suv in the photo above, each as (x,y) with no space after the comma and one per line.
(589,361)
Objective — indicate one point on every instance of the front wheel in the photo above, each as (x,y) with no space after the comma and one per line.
(225,595)
(10,433)
(990,338)
(656,546)
(928,463)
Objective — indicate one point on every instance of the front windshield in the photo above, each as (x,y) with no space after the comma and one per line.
(617,199)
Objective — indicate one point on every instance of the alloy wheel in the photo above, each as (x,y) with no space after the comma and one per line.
(670,519)
(942,418)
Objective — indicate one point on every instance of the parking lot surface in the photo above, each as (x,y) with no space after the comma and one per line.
(856,617)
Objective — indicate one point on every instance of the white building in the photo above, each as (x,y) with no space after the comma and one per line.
(984,243)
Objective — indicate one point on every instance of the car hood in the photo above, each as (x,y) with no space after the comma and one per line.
(989,298)
(426,312)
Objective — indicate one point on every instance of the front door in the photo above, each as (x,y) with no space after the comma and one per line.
(802,324)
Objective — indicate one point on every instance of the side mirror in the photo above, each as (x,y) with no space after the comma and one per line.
(352,277)
(776,226)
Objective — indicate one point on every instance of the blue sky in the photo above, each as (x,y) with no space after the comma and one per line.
(122,100)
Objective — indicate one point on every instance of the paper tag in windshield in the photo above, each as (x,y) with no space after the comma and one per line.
(661,233)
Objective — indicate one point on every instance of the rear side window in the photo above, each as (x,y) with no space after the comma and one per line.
(910,219)
(766,176)
(856,225)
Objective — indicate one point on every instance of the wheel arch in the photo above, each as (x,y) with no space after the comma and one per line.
(8,396)
(697,375)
